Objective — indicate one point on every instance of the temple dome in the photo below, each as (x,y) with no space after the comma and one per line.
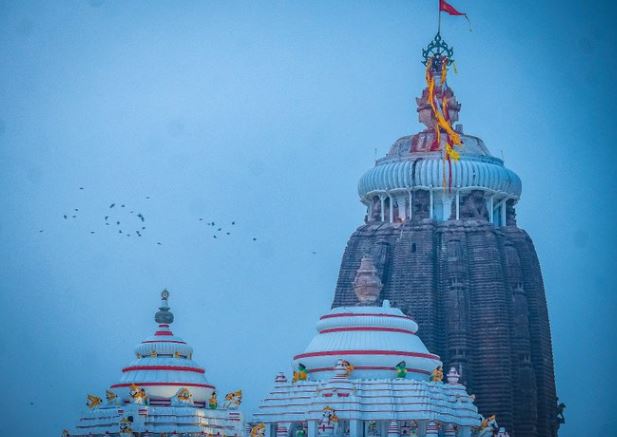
(163,365)
(405,168)
(373,339)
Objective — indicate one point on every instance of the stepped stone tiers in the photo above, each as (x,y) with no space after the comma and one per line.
(162,392)
(447,249)
(366,373)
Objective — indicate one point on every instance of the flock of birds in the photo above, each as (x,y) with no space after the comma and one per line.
(133,224)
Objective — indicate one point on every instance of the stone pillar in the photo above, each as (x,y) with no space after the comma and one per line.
(450,431)
(490,209)
(268,430)
(356,428)
(458,205)
(391,209)
(410,205)
(402,209)
(430,204)
(503,212)
(382,202)
(312,428)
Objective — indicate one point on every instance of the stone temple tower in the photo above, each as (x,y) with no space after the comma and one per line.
(443,237)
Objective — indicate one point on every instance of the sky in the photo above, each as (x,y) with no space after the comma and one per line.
(266,114)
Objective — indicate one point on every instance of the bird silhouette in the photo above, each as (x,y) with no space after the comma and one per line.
(254,239)
(92,232)
(112,205)
(159,243)
(106,217)
(233,223)
(65,217)
(141,217)
(81,188)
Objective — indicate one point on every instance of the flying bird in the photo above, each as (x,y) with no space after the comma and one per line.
(141,217)
(112,205)
(65,217)
(233,223)
(159,243)
(81,188)
(92,232)
(254,239)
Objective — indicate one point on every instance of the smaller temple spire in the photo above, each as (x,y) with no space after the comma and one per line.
(367,284)
(164,316)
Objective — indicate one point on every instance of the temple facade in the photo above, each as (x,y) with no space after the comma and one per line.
(366,373)
(441,228)
(163,392)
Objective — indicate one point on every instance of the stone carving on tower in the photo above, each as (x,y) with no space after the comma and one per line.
(367,285)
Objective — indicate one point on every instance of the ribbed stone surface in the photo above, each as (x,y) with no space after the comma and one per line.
(476,292)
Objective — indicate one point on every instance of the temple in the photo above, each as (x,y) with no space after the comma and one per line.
(367,373)
(441,227)
(162,392)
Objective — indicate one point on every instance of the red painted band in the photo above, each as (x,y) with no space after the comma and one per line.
(329,316)
(366,352)
(327,369)
(372,328)
(174,368)
(155,384)
(164,341)
(163,333)
(163,325)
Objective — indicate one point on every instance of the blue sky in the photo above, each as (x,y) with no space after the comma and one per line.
(267,113)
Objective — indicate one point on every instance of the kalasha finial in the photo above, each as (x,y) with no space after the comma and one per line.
(438,53)
(367,284)
(164,315)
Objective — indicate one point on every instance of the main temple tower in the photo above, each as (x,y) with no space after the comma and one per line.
(443,236)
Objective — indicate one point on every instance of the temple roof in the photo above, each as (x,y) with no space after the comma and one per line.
(164,364)
(374,339)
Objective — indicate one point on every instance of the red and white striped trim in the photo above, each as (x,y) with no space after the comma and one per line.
(367,328)
(329,316)
(164,384)
(171,368)
(366,352)
(328,369)
(163,341)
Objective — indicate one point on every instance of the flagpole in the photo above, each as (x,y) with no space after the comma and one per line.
(438,17)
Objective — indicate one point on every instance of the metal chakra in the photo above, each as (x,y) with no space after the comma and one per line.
(439,52)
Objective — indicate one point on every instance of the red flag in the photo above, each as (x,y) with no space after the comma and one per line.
(447,7)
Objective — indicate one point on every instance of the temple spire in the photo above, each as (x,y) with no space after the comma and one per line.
(163,315)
